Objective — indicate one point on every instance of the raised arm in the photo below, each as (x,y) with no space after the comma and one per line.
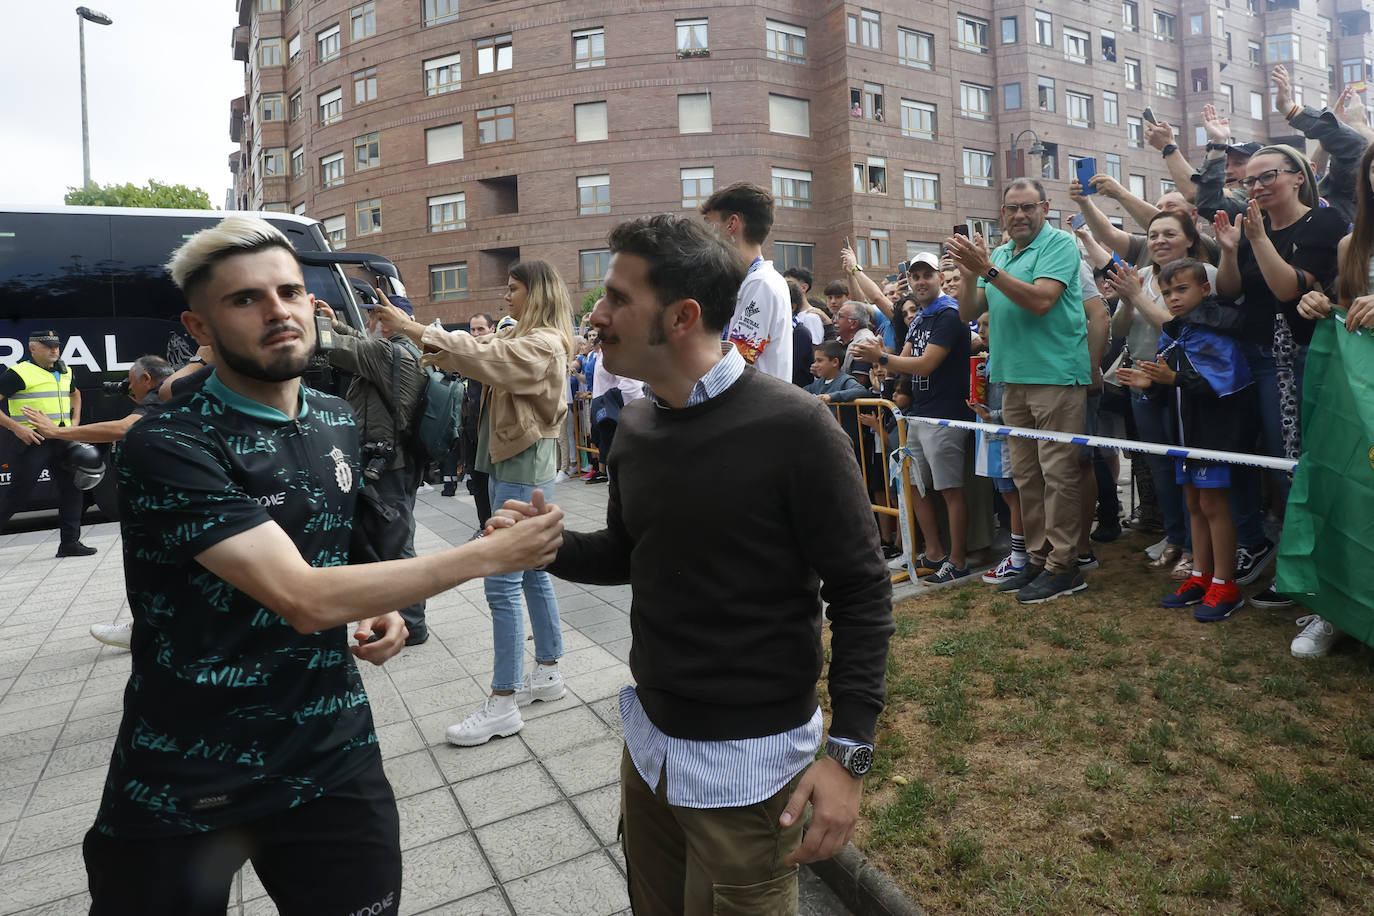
(1037,297)
(1161,137)
(861,286)
(1112,238)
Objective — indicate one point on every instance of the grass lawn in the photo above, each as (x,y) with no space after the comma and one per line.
(1100,754)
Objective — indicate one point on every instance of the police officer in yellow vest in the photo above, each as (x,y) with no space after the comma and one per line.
(45,384)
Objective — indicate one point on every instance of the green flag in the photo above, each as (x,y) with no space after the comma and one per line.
(1327,551)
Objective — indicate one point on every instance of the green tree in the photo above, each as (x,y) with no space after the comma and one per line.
(155,194)
(589,301)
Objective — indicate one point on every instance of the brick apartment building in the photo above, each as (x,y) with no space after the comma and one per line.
(456,136)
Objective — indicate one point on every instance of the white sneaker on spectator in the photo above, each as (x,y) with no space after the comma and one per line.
(113,634)
(424,487)
(497,716)
(1155,551)
(898,562)
(1002,572)
(560,477)
(543,683)
(1316,639)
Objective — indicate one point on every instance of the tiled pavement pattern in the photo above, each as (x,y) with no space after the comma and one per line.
(523,825)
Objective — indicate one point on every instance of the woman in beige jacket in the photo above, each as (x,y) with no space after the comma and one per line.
(524,370)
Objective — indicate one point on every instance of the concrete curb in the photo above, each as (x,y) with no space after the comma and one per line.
(863,888)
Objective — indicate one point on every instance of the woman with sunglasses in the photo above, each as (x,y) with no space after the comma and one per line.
(1280,249)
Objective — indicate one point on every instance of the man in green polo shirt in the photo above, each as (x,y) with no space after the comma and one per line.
(1029,287)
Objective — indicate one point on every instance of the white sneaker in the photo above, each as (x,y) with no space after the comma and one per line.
(898,562)
(1316,639)
(1002,572)
(424,487)
(497,716)
(543,683)
(560,477)
(116,634)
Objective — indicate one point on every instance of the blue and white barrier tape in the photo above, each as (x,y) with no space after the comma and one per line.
(1130,445)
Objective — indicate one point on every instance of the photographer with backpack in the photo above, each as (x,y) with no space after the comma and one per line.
(385,392)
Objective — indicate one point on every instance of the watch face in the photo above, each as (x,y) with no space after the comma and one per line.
(861,760)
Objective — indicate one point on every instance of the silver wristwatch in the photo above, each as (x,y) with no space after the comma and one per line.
(856,758)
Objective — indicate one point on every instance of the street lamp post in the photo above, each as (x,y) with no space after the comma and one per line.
(1037,148)
(83,14)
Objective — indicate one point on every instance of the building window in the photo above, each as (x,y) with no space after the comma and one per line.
(1195,25)
(495,125)
(295,106)
(694,113)
(589,48)
(1112,166)
(1228,95)
(787,115)
(870,29)
(495,54)
(1107,39)
(1256,106)
(443,74)
(332,170)
(916,49)
(977,168)
(1282,48)
(792,188)
(697,185)
(1136,185)
(1132,73)
(1130,15)
(273,106)
(1011,96)
(877,248)
(331,106)
(870,176)
(1135,133)
(369,216)
(444,144)
(1044,93)
(440,11)
(298,162)
(1164,26)
(921,190)
(1044,29)
(1255,53)
(327,44)
(692,38)
(364,85)
(274,162)
(787,255)
(785,42)
(592,264)
(269,6)
(364,21)
(269,52)
(1077,45)
(336,230)
(299,209)
(448,212)
(589,121)
(293,47)
(367,151)
(1111,111)
(593,194)
(918,120)
(973,34)
(1079,109)
(1049,161)
(975,101)
(448,281)
(1166,187)
(1166,82)
(872,101)
(1011,30)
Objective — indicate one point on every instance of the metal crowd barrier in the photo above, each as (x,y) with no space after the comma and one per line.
(582,428)
(872,453)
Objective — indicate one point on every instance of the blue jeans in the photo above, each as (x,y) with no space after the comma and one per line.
(1150,418)
(1245,490)
(507,616)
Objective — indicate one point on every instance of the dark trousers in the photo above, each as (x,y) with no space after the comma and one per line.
(397,488)
(449,467)
(477,486)
(605,435)
(25,463)
(337,854)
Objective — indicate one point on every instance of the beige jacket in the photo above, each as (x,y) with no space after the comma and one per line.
(523,381)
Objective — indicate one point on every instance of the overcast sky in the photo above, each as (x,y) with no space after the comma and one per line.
(158,81)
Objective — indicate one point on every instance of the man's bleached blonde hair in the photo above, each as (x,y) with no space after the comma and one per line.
(192,263)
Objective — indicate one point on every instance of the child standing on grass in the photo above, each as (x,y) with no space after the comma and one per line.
(1204,382)
(992,459)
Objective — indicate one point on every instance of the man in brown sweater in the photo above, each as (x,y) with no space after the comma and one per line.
(715,520)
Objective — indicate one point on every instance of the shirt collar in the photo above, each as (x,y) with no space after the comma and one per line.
(251,408)
(718,378)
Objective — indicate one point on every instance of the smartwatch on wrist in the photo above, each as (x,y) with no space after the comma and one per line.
(882,360)
(1169,150)
(855,758)
(991,274)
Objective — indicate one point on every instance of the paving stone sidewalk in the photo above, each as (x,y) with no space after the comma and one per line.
(522,825)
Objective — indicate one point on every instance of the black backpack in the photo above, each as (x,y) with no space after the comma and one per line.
(437,422)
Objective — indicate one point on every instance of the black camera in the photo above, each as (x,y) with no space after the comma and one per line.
(119,387)
(376,457)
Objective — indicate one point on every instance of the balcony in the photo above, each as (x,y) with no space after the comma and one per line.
(237,109)
(241,42)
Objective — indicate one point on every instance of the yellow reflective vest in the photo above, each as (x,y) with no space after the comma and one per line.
(43,392)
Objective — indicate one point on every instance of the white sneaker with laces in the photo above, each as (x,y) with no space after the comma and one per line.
(497,716)
(1316,639)
(114,634)
(896,563)
(560,477)
(543,683)
(1002,572)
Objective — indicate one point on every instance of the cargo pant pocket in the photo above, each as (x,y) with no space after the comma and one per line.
(774,897)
